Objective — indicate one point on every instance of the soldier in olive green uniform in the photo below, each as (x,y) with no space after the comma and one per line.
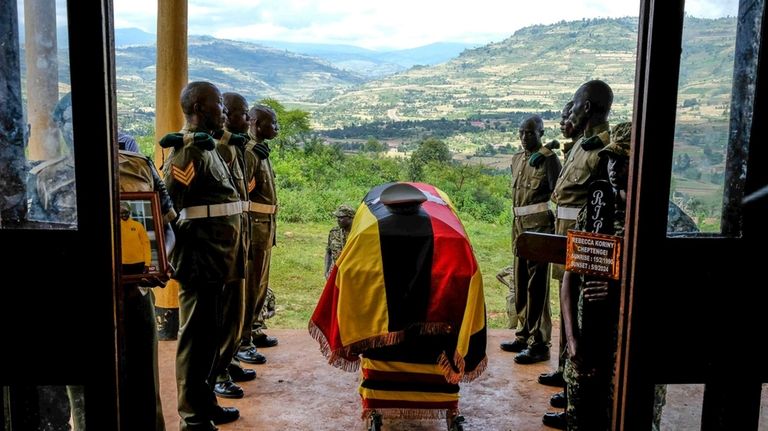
(591,104)
(262,208)
(534,173)
(337,237)
(555,378)
(208,252)
(231,147)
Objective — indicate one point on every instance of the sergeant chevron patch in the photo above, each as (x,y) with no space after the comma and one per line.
(184,176)
(251,185)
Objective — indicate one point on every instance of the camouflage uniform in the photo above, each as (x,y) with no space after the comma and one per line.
(207,256)
(269,309)
(142,385)
(337,237)
(260,182)
(590,388)
(529,291)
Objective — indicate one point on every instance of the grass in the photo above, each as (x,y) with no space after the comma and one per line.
(296,274)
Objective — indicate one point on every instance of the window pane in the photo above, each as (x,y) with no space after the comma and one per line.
(38,185)
(714,106)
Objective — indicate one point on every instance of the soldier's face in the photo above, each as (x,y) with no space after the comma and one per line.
(566,127)
(344,221)
(268,127)
(579,113)
(213,111)
(530,136)
(237,118)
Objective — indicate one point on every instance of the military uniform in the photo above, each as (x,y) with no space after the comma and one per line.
(532,185)
(337,237)
(207,256)
(262,209)
(590,393)
(582,166)
(142,383)
(590,388)
(231,147)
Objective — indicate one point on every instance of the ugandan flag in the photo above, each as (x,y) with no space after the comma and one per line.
(402,276)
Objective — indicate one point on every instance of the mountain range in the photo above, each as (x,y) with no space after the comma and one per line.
(535,69)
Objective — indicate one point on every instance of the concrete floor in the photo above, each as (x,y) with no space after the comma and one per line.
(297,390)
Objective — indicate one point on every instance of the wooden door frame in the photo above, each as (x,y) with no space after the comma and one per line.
(689,352)
(55,326)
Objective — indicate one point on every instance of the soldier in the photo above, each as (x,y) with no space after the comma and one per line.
(142,384)
(337,237)
(591,105)
(231,147)
(555,378)
(534,174)
(262,208)
(208,252)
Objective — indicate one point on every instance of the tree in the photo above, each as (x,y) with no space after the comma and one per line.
(429,150)
(372,145)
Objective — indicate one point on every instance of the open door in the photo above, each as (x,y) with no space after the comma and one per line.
(58,206)
(693,306)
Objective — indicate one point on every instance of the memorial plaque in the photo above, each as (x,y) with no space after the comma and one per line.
(594,254)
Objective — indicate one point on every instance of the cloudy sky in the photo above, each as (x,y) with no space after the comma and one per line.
(386,24)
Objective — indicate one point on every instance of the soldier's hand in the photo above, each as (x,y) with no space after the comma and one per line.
(596,290)
(152,281)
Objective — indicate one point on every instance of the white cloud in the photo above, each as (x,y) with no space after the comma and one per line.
(381,25)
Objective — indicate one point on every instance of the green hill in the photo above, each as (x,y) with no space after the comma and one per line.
(250,69)
(537,68)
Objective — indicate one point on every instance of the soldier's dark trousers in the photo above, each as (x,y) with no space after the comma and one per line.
(232,322)
(532,302)
(140,395)
(199,339)
(256,282)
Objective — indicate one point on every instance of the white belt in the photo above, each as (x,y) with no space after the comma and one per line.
(568,213)
(261,208)
(531,209)
(205,211)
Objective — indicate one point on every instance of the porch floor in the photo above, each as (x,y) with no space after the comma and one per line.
(297,390)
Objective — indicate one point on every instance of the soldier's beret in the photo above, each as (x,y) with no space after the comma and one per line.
(621,137)
(344,211)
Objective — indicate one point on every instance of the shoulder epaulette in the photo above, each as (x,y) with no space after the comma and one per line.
(238,139)
(592,143)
